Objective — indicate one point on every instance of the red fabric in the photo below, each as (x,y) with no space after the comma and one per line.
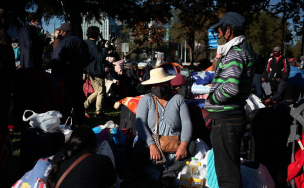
(291,59)
(178,80)
(295,169)
(285,68)
(88,88)
(268,68)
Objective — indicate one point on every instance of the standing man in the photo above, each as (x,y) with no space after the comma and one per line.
(275,64)
(68,63)
(7,67)
(31,45)
(231,87)
(96,71)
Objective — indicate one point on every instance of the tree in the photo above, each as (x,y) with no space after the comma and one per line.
(17,11)
(264,33)
(74,10)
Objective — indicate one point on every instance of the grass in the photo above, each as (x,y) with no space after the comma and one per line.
(10,174)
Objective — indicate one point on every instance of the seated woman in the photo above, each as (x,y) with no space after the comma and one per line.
(174,119)
(93,171)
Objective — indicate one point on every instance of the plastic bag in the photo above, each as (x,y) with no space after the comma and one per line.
(48,121)
(201,149)
(66,129)
(106,150)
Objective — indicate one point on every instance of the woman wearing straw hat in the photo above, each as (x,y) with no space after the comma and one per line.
(173,120)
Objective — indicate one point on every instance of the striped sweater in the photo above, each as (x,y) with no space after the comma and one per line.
(232,81)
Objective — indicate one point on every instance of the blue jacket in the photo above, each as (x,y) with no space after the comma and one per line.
(68,57)
(31,47)
(97,60)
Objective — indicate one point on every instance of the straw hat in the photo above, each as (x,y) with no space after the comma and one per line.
(157,75)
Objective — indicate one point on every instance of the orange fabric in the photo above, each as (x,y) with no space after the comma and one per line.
(209,68)
(129,102)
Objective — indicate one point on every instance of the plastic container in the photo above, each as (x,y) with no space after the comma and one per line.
(186,176)
(193,165)
(198,180)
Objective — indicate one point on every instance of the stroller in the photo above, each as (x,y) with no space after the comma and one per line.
(296,168)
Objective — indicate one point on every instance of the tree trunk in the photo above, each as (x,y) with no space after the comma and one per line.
(131,51)
(73,7)
(76,21)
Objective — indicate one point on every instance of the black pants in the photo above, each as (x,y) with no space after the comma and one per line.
(141,157)
(76,95)
(226,137)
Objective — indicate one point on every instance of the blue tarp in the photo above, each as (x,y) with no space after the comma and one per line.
(296,77)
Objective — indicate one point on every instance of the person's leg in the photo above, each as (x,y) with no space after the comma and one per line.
(100,88)
(226,137)
(93,96)
(76,94)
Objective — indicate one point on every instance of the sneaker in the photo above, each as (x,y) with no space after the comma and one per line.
(101,115)
(86,114)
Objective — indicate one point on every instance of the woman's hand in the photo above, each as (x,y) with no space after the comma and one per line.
(154,152)
(181,151)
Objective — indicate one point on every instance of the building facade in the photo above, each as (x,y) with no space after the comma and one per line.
(107,27)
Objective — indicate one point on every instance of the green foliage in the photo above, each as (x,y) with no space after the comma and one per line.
(296,50)
(264,33)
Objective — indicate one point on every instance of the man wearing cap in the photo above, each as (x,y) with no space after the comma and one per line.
(68,63)
(7,67)
(275,64)
(284,94)
(31,45)
(231,87)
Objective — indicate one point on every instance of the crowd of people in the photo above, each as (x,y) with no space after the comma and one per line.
(162,110)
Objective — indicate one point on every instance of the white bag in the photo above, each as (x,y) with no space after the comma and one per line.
(48,121)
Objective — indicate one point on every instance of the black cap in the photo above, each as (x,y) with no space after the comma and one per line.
(65,26)
(278,75)
(232,18)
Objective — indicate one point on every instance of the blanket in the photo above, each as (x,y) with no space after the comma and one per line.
(203,77)
(129,102)
(200,89)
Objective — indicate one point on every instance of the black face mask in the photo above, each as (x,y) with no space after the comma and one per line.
(160,91)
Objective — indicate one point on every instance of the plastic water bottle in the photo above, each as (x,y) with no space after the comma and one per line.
(186,176)
(193,165)
(198,177)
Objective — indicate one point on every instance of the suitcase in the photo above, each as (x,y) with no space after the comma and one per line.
(36,144)
(127,119)
(269,133)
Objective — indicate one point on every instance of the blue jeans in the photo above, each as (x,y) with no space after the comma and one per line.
(226,138)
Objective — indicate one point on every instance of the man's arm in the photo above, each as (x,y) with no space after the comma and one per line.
(281,89)
(230,86)
(286,68)
(98,54)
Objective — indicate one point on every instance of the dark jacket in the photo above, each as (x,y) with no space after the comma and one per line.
(285,91)
(68,57)
(95,171)
(97,62)
(276,66)
(31,47)
(7,75)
